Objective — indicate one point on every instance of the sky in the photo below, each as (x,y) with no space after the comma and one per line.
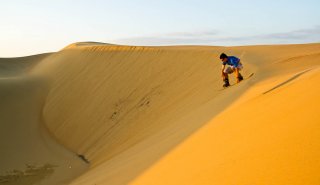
(29,27)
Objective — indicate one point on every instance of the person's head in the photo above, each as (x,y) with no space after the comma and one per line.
(223,57)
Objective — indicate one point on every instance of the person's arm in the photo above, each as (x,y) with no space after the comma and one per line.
(222,69)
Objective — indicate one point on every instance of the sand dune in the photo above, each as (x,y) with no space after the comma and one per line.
(158,115)
(10,67)
(29,155)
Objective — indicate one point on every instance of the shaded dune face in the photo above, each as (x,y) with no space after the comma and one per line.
(105,99)
(158,115)
(28,153)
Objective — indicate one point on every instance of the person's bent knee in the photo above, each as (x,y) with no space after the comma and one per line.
(228,70)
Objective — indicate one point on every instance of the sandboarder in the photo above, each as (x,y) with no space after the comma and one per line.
(234,66)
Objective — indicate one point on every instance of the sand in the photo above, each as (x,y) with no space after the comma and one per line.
(159,115)
(29,155)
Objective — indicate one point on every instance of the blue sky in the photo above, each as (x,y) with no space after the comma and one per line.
(37,26)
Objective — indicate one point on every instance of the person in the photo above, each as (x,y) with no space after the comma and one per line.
(234,66)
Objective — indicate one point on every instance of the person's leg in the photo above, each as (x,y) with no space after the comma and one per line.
(227,71)
(225,76)
(237,74)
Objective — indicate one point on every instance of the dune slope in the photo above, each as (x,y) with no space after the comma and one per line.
(105,101)
(158,115)
(29,155)
(127,109)
(270,135)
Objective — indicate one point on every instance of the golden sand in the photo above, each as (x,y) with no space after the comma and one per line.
(159,115)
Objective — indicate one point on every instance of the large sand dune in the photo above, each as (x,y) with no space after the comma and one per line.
(158,115)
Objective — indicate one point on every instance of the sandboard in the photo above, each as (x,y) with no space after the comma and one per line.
(245,78)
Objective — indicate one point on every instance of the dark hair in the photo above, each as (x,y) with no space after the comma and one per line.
(223,56)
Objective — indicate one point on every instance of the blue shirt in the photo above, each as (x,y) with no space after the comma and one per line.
(232,61)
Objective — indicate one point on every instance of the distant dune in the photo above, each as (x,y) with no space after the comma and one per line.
(104,114)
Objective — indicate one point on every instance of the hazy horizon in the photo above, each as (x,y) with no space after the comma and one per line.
(36,26)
